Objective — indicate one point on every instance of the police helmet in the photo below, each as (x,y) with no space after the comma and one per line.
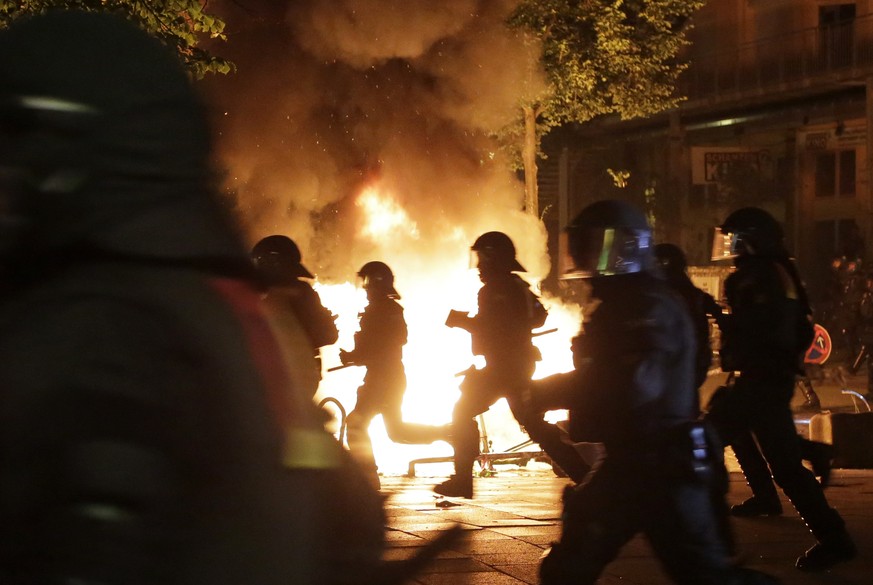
(377,277)
(671,259)
(277,258)
(494,251)
(607,238)
(747,231)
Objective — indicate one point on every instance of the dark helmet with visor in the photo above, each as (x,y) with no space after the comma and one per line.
(747,231)
(377,277)
(607,238)
(671,259)
(278,258)
(494,251)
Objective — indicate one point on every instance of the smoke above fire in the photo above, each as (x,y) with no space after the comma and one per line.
(362,129)
(334,99)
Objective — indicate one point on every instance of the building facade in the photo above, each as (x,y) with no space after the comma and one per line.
(779,100)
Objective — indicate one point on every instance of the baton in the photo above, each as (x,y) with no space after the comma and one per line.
(342,367)
(546,332)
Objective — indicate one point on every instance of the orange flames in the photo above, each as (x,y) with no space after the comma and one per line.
(434,353)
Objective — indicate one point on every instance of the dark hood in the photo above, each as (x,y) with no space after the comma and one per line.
(138,164)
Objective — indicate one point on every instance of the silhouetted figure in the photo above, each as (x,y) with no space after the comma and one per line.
(633,390)
(379,347)
(293,302)
(764,339)
(501,333)
(701,305)
(149,430)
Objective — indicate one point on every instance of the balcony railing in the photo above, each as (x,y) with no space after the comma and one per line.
(805,58)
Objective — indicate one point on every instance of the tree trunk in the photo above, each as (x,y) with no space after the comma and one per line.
(529,160)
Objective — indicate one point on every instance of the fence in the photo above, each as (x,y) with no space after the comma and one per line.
(801,58)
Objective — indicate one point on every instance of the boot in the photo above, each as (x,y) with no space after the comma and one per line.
(828,552)
(457,486)
(820,458)
(755,506)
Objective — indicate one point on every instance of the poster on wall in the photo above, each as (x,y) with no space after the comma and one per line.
(836,138)
(713,164)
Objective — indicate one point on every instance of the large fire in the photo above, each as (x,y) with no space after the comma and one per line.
(434,354)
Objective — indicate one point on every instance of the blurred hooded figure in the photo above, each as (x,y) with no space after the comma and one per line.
(633,390)
(147,434)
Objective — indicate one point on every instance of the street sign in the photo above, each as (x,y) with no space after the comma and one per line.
(820,349)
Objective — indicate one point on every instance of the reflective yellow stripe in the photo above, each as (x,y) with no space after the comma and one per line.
(310,449)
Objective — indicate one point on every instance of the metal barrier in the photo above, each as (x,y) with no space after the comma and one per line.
(488,458)
(342,420)
(857,399)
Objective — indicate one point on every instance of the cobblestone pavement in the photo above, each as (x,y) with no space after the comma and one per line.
(516,515)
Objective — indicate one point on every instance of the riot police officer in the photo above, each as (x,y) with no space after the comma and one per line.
(763,340)
(294,303)
(633,390)
(379,345)
(501,333)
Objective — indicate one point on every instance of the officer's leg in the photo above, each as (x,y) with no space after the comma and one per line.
(820,455)
(405,432)
(730,416)
(684,532)
(358,423)
(551,439)
(780,444)
(765,498)
(408,433)
(599,518)
(718,490)
(475,399)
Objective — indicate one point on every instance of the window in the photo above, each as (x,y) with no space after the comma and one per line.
(825,173)
(835,174)
(836,34)
(836,14)
(846,184)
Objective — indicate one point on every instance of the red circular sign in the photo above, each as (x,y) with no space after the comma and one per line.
(820,349)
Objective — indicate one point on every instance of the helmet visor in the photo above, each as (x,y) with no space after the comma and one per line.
(725,245)
(488,259)
(378,285)
(603,252)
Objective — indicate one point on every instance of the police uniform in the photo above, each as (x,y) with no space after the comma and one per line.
(379,347)
(501,333)
(760,342)
(633,391)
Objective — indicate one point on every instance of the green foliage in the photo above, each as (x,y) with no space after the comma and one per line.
(607,56)
(619,177)
(179,23)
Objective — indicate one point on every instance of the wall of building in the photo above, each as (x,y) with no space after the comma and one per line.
(798,147)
